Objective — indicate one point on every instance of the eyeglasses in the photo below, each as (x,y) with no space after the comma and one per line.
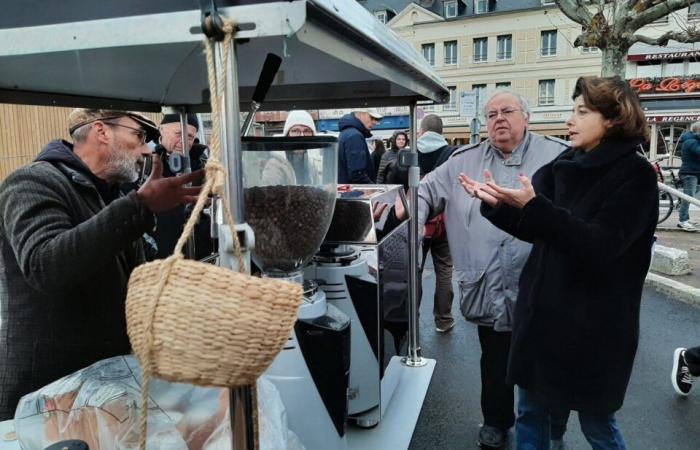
(506,113)
(140,133)
(300,132)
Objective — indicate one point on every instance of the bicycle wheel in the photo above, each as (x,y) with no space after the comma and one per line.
(665,206)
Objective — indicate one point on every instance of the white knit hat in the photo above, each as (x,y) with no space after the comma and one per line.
(298,117)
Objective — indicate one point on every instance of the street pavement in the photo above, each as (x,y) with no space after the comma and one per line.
(653,416)
(669,235)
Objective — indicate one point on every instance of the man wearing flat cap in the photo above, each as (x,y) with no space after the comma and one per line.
(68,243)
(355,164)
(169,224)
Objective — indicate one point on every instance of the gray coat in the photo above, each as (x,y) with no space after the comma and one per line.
(65,259)
(487,261)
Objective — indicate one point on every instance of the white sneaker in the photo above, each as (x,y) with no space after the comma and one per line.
(687,226)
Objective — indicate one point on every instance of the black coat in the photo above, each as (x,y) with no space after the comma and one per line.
(576,320)
(65,259)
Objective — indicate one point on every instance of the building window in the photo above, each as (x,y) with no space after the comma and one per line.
(481,6)
(549,43)
(649,70)
(450,9)
(589,49)
(674,69)
(480,91)
(504,85)
(381,16)
(450,53)
(452,104)
(429,53)
(505,47)
(481,49)
(546,96)
(694,11)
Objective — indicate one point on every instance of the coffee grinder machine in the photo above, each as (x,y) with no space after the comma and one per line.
(290,190)
(363,269)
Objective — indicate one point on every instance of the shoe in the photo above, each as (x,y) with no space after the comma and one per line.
(444,327)
(681,378)
(491,437)
(687,226)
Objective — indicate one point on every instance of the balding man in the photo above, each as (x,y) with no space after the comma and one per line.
(68,243)
(487,261)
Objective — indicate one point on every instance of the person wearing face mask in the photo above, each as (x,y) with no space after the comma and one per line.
(68,243)
(591,215)
(486,260)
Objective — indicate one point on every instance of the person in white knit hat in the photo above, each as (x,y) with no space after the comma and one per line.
(291,167)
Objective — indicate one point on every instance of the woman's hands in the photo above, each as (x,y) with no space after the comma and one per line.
(493,194)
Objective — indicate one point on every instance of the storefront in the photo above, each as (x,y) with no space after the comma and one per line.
(668,84)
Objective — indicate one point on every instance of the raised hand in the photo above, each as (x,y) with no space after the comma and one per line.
(162,194)
(479,190)
(514,197)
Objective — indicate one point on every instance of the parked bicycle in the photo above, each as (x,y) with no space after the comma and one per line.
(667,202)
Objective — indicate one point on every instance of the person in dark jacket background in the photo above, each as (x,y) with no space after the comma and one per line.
(433,150)
(389,171)
(591,215)
(689,173)
(377,153)
(68,243)
(169,224)
(354,160)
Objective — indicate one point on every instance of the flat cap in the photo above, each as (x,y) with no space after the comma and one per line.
(83,116)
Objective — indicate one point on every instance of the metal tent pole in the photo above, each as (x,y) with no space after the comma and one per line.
(187,168)
(413,359)
(241,404)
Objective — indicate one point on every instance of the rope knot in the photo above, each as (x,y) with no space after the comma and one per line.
(217,173)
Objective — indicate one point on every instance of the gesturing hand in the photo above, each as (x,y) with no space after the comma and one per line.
(479,190)
(513,197)
(162,194)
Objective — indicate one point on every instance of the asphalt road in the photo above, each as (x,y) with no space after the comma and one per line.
(653,416)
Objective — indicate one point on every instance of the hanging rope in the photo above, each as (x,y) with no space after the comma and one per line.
(214,184)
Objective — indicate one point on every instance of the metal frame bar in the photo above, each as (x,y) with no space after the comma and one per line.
(413,359)
(679,194)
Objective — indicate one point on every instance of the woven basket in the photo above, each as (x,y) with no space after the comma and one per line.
(211,326)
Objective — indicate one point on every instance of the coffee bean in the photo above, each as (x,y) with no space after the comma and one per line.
(289,223)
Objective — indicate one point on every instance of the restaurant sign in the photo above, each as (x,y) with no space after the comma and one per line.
(674,118)
(668,85)
(665,56)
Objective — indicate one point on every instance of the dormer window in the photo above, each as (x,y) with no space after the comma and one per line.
(450,9)
(481,6)
(380,15)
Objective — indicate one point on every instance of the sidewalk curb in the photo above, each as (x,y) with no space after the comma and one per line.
(675,289)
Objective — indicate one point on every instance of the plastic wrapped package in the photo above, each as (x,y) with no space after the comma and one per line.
(100,405)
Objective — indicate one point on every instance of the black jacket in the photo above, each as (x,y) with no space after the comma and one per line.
(576,320)
(169,224)
(65,259)
(355,164)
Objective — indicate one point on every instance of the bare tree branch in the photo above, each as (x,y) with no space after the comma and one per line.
(576,10)
(646,11)
(662,40)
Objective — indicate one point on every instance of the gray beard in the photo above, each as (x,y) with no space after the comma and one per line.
(121,168)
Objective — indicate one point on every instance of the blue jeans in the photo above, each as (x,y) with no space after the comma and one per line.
(532,427)
(690,185)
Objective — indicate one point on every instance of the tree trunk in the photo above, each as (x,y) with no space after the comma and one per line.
(614,61)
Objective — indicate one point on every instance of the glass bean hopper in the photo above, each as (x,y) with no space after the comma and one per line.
(289,186)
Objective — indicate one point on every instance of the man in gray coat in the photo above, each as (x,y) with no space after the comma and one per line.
(488,261)
(68,243)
